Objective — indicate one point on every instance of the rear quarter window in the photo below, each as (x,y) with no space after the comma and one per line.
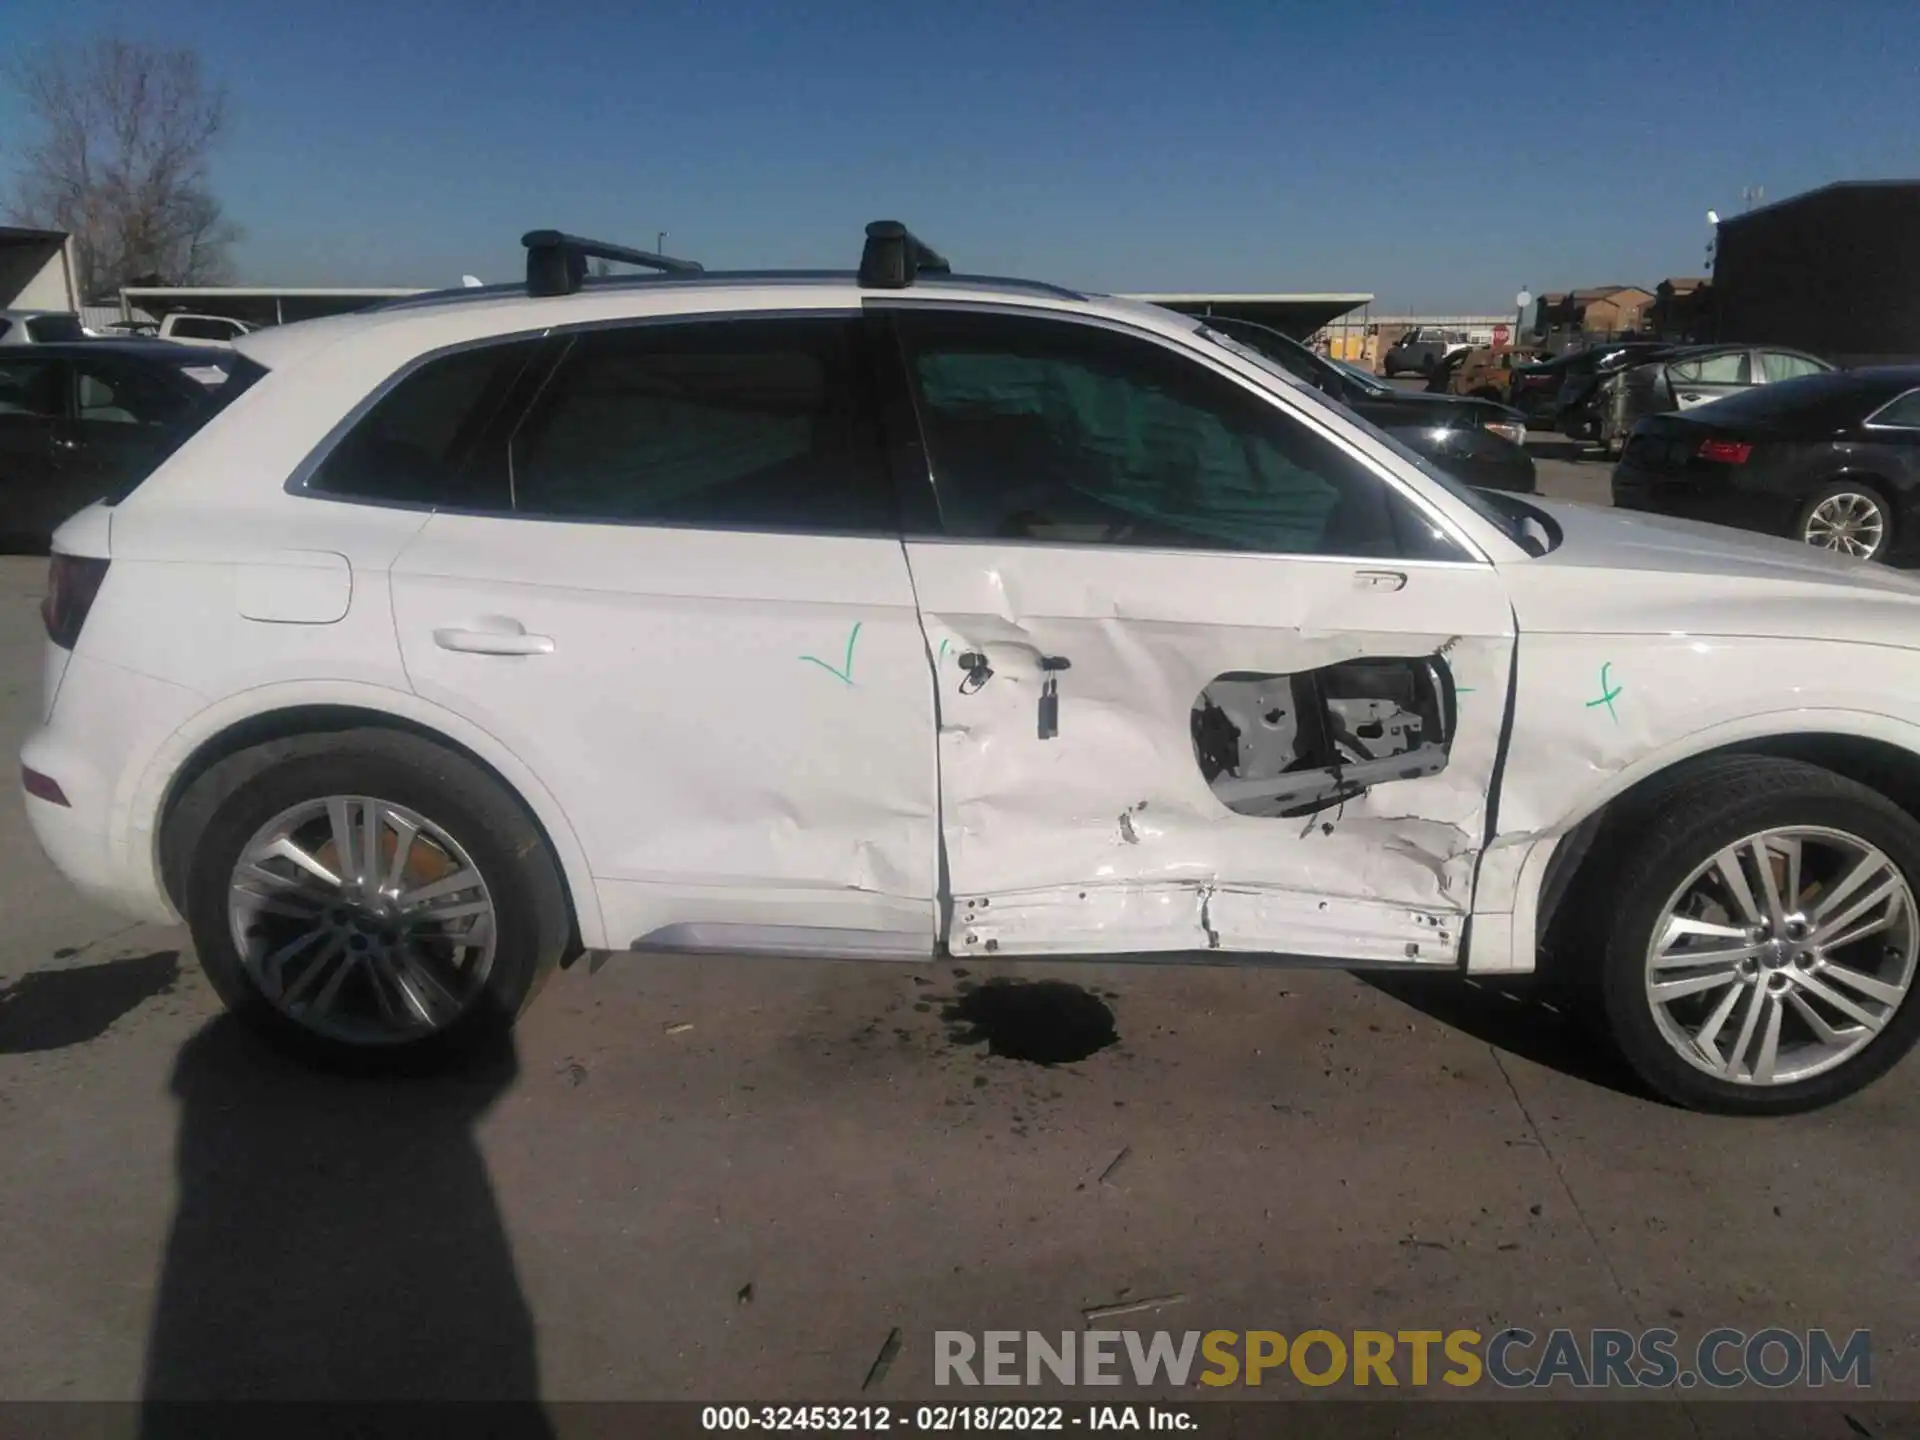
(418,443)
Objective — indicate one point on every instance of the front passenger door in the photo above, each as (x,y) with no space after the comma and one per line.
(1696,382)
(1205,679)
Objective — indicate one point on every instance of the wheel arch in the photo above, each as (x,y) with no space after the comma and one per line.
(1875,751)
(256,720)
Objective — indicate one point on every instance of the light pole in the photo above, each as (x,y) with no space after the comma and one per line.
(660,243)
(1520,303)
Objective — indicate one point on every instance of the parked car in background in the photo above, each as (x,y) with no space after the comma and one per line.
(40,327)
(1572,410)
(90,418)
(202,329)
(1832,459)
(1419,350)
(1481,372)
(1536,385)
(1681,379)
(1475,440)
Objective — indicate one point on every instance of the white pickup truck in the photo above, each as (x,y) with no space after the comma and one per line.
(203,329)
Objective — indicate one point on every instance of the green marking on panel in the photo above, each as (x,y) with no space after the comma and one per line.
(1608,693)
(844,672)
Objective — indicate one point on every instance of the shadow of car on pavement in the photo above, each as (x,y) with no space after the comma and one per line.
(335,1240)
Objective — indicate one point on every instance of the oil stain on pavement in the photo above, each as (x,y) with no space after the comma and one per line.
(1043,1022)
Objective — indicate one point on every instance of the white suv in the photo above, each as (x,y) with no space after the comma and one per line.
(866,615)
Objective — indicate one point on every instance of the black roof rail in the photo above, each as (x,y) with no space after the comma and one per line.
(894,255)
(557,263)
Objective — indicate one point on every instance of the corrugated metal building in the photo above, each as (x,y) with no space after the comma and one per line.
(1832,271)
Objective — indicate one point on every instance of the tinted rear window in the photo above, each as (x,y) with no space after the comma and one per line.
(412,447)
(187,329)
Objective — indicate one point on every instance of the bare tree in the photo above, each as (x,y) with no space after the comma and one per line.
(121,135)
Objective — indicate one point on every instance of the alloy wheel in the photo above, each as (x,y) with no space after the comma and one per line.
(362,920)
(1849,523)
(1783,956)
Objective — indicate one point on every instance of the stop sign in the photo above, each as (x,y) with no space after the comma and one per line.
(1499,334)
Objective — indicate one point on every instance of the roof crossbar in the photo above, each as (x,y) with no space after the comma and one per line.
(557,263)
(894,255)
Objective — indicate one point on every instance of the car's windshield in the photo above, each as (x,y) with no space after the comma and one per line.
(1504,520)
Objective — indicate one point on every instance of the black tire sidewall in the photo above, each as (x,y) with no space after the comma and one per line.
(490,825)
(1645,884)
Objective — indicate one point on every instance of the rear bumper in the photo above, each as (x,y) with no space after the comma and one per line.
(106,725)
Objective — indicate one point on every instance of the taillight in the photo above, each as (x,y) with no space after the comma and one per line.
(72,582)
(1727,452)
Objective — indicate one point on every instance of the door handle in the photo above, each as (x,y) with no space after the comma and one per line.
(1387,580)
(493,642)
(60,442)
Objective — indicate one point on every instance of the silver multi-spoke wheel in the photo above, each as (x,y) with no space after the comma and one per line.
(1848,522)
(1783,956)
(362,920)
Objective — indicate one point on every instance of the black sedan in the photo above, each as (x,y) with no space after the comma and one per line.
(1478,442)
(1832,459)
(79,420)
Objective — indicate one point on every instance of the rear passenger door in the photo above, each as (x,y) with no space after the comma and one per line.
(1772,366)
(664,569)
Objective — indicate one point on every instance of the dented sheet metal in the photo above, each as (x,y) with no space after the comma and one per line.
(1093,828)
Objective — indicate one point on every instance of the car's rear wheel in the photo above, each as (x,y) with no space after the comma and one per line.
(1848,517)
(1762,954)
(376,902)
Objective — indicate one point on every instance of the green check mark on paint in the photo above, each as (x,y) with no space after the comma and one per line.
(1608,693)
(844,674)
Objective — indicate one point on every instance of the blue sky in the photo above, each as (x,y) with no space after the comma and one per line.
(1439,155)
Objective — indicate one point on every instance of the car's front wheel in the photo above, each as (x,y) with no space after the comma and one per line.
(1762,954)
(1848,517)
(374,900)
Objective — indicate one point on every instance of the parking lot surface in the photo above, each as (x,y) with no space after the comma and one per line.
(720,1178)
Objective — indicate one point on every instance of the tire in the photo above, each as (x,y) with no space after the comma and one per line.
(1650,861)
(1848,498)
(482,969)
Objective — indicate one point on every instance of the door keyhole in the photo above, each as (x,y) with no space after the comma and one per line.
(978,671)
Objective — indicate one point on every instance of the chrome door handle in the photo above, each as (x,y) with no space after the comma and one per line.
(493,642)
(1388,580)
(62,443)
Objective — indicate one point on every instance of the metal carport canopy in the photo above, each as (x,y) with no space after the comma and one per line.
(1295,315)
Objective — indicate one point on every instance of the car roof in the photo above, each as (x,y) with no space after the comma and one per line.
(426,322)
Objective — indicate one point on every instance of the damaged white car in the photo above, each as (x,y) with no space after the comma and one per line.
(874,614)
